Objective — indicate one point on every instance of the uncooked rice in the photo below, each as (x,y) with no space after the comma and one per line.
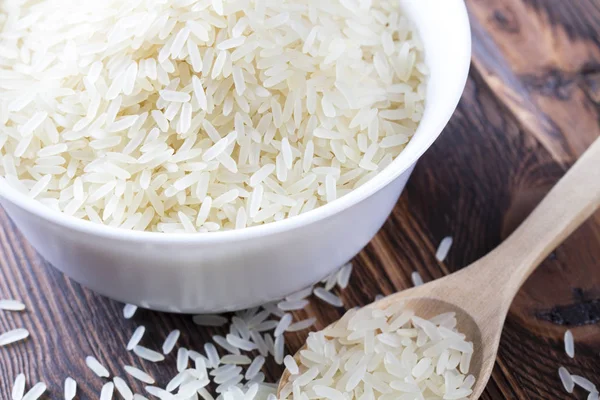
(96,367)
(300,295)
(13,336)
(292,305)
(330,281)
(106,393)
(35,392)
(11,305)
(584,383)
(443,248)
(123,388)
(283,324)
(369,352)
(175,382)
(301,325)
(137,336)
(234,359)
(291,365)
(18,388)
(254,367)
(183,116)
(569,344)
(129,310)
(240,343)
(70,388)
(182,358)
(566,379)
(170,341)
(139,374)
(328,297)
(416,278)
(343,275)
(158,392)
(222,342)
(212,354)
(148,354)
(278,349)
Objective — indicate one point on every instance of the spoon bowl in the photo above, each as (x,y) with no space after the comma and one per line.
(480,294)
(433,299)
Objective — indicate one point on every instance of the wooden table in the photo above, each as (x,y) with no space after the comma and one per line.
(530,108)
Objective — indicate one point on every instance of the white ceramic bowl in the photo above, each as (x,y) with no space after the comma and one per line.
(219,271)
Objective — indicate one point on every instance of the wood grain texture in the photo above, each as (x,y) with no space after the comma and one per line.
(536,55)
(531,106)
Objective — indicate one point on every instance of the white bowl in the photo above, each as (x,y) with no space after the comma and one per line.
(209,272)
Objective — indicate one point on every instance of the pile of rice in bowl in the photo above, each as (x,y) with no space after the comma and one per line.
(199,116)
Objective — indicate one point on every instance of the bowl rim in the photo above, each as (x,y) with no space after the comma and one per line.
(398,166)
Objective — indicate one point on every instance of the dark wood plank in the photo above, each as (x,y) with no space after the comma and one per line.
(539,57)
(530,108)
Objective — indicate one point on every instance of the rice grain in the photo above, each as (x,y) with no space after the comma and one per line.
(129,310)
(328,297)
(11,305)
(566,379)
(123,388)
(170,341)
(18,388)
(107,391)
(13,336)
(139,374)
(96,367)
(137,336)
(70,388)
(147,354)
(443,249)
(416,278)
(35,392)
(569,344)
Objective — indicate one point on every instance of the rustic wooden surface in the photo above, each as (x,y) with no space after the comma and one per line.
(531,106)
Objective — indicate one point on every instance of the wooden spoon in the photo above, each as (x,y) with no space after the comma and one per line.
(481,293)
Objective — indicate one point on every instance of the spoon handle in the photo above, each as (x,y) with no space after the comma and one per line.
(570,202)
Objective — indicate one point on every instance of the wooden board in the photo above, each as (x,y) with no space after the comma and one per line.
(531,106)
